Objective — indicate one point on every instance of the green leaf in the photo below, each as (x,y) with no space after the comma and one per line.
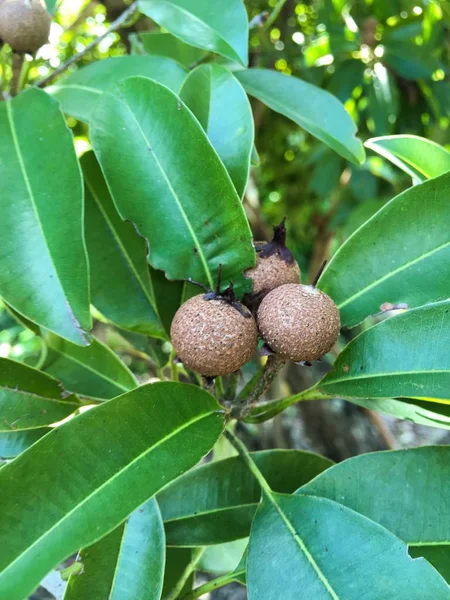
(127,299)
(323,550)
(222,29)
(220,104)
(104,464)
(424,412)
(94,371)
(41,210)
(416,156)
(177,561)
(223,558)
(395,256)
(409,497)
(216,502)
(312,108)
(30,399)
(382,96)
(410,61)
(165,44)
(127,564)
(13,443)
(406,355)
(79,92)
(171,196)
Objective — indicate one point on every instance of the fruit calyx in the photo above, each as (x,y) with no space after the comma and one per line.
(227,296)
(277,245)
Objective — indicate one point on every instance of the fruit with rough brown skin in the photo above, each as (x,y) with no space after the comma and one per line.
(299,322)
(275,266)
(213,337)
(24,24)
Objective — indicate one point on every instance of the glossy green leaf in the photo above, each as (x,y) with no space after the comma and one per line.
(220,104)
(395,256)
(416,156)
(30,399)
(411,61)
(220,27)
(171,196)
(223,558)
(13,443)
(316,548)
(177,561)
(382,96)
(127,299)
(406,355)
(127,564)
(314,109)
(216,502)
(165,44)
(42,246)
(402,490)
(79,92)
(422,412)
(94,371)
(104,464)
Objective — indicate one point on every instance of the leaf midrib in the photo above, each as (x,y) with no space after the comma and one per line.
(84,88)
(299,541)
(119,473)
(204,24)
(392,273)
(148,295)
(389,374)
(175,197)
(230,508)
(88,368)
(9,114)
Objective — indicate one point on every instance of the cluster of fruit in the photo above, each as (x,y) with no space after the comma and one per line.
(24,24)
(215,335)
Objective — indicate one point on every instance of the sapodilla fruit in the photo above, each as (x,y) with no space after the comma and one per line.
(213,337)
(275,266)
(24,24)
(299,322)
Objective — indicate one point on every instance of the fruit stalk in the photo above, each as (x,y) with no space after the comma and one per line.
(273,366)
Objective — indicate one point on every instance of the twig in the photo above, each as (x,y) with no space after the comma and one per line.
(273,366)
(383,431)
(113,27)
(17,63)
(212,585)
(274,14)
(197,553)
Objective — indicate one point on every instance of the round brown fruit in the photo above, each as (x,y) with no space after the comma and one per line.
(299,322)
(24,24)
(275,266)
(213,337)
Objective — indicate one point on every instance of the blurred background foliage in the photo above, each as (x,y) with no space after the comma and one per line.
(386,60)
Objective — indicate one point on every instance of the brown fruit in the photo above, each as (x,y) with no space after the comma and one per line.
(299,322)
(212,337)
(24,24)
(275,266)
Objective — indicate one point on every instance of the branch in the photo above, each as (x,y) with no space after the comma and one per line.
(197,553)
(212,585)
(17,61)
(274,14)
(113,27)
(273,366)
